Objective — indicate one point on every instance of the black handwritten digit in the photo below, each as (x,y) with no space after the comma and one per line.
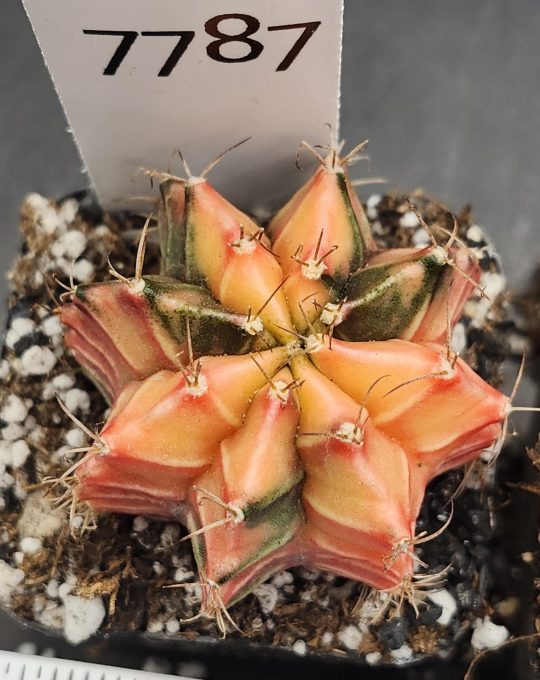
(213,49)
(178,51)
(309,29)
(128,38)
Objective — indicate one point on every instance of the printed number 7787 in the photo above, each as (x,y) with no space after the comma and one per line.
(213,49)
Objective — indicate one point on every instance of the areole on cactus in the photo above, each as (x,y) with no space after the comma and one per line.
(286,393)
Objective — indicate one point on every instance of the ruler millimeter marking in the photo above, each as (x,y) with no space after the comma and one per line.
(14,666)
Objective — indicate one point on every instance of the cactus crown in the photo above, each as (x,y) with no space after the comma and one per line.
(287,392)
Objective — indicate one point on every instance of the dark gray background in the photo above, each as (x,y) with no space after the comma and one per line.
(447,91)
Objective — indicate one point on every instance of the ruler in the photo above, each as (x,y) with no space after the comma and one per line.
(139,79)
(14,666)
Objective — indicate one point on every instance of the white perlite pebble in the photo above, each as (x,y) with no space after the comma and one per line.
(63,381)
(51,326)
(350,637)
(69,210)
(83,271)
(6,455)
(183,574)
(169,535)
(52,616)
(371,205)
(267,595)
(19,452)
(37,202)
(75,437)
(27,648)
(172,626)
(12,432)
(158,568)
(37,360)
(475,233)
(140,523)
(493,283)
(13,410)
(300,648)
(373,658)
(155,664)
(6,480)
(487,634)
(38,518)
(420,239)
(52,589)
(77,400)
(443,598)
(154,626)
(48,652)
(283,578)
(30,545)
(10,578)
(70,245)
(191,669)
(4,369)
(20,327)
(409,220)
(327,638)
(51,221)
(82,617)
(404,653)
(458,343)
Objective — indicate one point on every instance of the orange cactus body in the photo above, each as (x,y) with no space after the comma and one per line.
(284,393)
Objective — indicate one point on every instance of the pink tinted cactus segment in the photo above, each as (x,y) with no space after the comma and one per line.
(285,393)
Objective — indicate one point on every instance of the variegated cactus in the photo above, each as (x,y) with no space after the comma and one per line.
(286,393)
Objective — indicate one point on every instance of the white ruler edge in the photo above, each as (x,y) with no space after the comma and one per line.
(15,666)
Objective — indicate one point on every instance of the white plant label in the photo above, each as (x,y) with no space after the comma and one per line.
(139,79)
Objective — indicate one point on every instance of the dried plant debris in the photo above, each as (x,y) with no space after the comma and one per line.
(113,577)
